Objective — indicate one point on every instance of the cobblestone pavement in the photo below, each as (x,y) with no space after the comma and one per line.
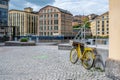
(42,63)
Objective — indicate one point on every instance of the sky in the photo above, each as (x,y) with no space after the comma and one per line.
(76,7)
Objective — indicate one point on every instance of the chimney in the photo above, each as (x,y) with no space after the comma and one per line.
(28,9)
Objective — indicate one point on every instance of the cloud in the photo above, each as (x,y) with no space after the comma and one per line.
(17,4)
(34,6)
(76,7)
(83,6)
(41,2)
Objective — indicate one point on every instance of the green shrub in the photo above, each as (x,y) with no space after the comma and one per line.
(23,40)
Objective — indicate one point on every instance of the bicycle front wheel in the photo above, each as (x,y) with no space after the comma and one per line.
(88,59)
(73,56)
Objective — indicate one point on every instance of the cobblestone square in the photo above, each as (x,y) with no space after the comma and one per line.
(42,62)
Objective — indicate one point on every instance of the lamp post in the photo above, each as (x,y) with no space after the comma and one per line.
(83,31)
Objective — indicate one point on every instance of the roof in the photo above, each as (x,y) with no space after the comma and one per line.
(105,13)
(102,15)
(61,10)
(28,7)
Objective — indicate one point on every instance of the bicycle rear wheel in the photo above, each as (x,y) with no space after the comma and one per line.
(73,56)
(88,60)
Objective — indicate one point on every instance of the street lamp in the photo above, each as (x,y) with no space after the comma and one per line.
(84,28)
(82,32)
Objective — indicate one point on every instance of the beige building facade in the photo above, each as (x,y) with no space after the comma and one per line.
(114,30)
(25,22)
(100,25)
(113,62)
(54,21)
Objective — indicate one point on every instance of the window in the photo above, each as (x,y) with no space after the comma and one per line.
(55,21)
(107,16)
(48,28)
(107,29)
(41,17)
(44,27)
(48,22)
(107,21)
(107,25)
(41,22)
(98,32)
(44,33)
(54,10)
(98,29)
(51,27)
(103,17)
(102,33)
(44,22)
(98,21)
(51,10)
(103,30)
(51,33)
(55,15)
(102,23)
(44,16)
(51,15)
(55,27)
(51,22)
(44,11)
(98,25)
(41,28)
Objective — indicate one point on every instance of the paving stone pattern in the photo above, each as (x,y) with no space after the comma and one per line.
(42,63)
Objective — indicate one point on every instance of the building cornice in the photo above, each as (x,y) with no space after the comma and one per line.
(23,11)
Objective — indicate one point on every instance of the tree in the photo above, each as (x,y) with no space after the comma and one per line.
(86,22)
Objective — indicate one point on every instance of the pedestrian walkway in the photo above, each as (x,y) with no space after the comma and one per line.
(43,62)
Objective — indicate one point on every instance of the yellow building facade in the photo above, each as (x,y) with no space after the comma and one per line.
(25,22)
(100,25)
(55,21)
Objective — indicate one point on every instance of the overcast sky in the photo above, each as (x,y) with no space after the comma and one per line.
(76,7)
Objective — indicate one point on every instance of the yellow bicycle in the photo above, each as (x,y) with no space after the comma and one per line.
(85,54)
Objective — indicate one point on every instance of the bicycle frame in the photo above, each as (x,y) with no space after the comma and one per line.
(79,52)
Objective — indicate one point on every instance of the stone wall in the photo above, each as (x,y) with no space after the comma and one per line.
(17,43)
